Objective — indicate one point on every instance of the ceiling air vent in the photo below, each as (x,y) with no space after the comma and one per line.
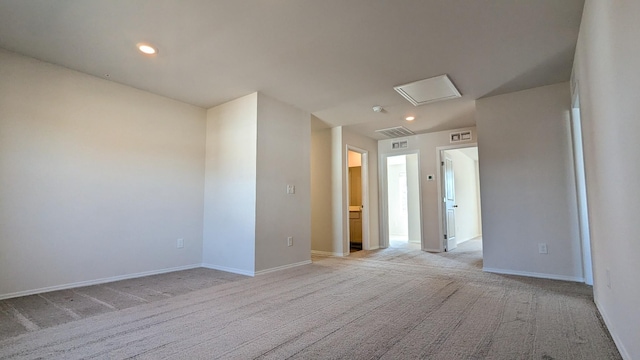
(429,90)
(394,132)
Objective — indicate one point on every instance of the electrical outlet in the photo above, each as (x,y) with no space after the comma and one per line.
(290,241)
(542,248)
(180,243)
(291,189)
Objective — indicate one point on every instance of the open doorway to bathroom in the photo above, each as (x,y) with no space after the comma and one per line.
(403,201)
(358,200)
(355,200)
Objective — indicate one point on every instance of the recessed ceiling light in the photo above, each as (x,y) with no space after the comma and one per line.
(410,118)
(147,49)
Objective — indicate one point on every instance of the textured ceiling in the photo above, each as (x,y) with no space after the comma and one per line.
(333,58)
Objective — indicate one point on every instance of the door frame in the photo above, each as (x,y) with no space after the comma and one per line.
(383,195)
(440,183)
(581,189)
(364,154)
(451,241)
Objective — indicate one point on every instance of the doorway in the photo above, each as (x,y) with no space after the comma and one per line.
(358,200)
(581,188)
(402,201)
(459,190)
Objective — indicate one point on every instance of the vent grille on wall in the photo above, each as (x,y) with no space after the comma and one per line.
(394,132)
(400,144)
(429,90)
(460,136)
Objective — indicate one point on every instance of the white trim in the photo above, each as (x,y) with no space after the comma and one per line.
(283,267)
(228,269)
(534,274)
(621,349)
(374,248)
(97,281)
(432,250)
(326,253)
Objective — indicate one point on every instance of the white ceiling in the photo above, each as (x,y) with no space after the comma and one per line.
(333,58)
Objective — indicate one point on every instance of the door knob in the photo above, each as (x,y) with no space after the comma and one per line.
(455,205)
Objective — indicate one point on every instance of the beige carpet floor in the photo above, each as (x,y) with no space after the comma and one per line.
(397,303)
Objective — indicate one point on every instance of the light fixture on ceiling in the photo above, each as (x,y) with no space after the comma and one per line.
(147,49)
(410,118)
(377,108)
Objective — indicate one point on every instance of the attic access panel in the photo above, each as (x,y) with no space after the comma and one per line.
(429,90)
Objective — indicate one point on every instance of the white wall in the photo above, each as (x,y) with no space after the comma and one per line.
(606,68)
(479,205)
(527,183)
(283,158)
(229,230)
(339,195)
(321,192)
(467,196)
(426,144)
(413,197)
(97,180)
(256,146)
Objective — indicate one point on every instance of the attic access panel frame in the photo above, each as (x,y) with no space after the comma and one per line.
(429,90)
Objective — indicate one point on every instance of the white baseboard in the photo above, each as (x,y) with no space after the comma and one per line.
(278,268)
(623,351)
(534,274)
(326,253)
(228,269)
(96,281)
(432,250)
(374,248)
(469,239)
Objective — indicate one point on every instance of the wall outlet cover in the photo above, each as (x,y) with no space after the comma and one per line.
(542,248)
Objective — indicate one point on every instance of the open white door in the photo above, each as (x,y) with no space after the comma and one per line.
(449,204)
